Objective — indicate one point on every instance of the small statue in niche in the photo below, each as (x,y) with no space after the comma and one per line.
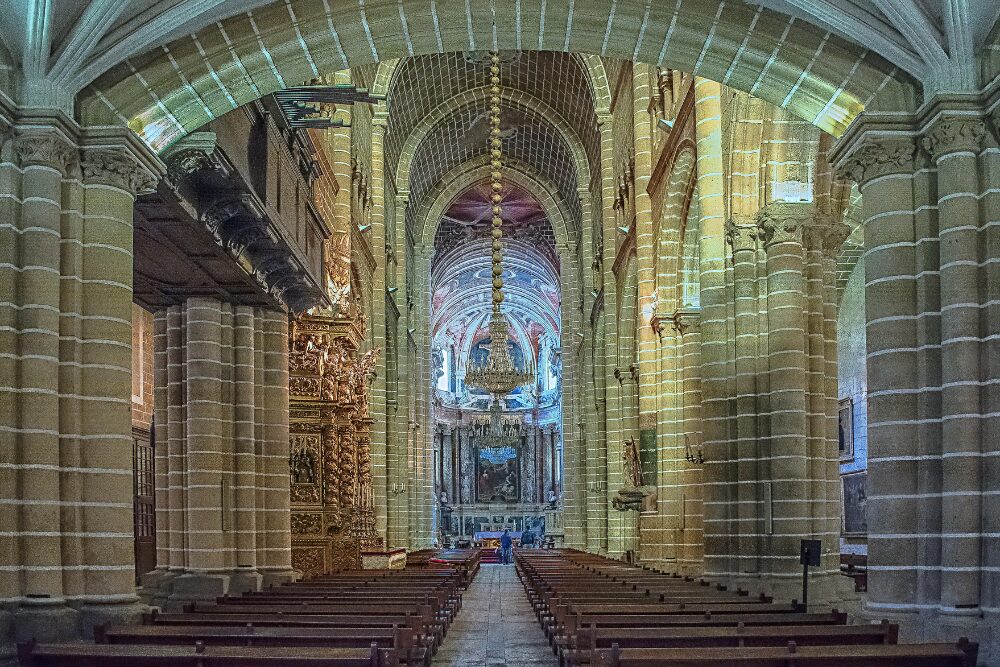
(302,466)
(631,466)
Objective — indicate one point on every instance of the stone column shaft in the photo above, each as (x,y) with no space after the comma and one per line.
(747,524)
(692,554)
(897,501)
(66,196)
(718,506)
(790,462)
(955,144)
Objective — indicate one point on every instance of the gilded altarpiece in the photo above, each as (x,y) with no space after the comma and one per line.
(333,518)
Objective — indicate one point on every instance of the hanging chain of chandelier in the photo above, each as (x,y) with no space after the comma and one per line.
(497,374)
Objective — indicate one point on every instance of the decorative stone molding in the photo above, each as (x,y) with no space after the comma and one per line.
(742,234)
(239,225)
(46,149)
(194,152)
(783,223)
(874,158)
(954,135)
(833,237)
(685,320)
(117,169)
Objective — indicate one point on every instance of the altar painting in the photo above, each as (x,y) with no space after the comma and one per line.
(497,475)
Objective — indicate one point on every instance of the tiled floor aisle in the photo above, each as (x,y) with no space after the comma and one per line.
(496,626)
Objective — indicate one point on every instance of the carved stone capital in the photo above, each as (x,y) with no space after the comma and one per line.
(742,234)
(954,135)
(874,158)
(117,169)
(832,237)
(47,149)
(783,222)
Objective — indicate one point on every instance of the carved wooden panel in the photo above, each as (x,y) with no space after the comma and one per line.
(307,523)
(309,560)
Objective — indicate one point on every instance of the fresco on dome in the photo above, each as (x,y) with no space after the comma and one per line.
(461,291)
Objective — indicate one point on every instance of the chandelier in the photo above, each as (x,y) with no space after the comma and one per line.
(497,374)
(497,430)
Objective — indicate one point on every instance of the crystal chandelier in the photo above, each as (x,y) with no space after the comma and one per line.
(497,430)
(497,374)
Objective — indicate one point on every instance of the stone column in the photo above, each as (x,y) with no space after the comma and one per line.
(823,238)
(245,456)
(692,552)
(715,383)
(606,337)
(65,374)
(789,478)
(899,507)
(275,563)
(954,144)
(746,524)
(377,401)
(403,433)
(222,418)
(531,480)
(571,288)
(454,490)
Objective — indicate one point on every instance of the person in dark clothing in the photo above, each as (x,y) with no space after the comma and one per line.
(527,539)
(506,547)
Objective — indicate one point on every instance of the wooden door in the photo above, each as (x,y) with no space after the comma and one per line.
(143,504)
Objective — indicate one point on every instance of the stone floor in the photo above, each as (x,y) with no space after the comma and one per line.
(496,626)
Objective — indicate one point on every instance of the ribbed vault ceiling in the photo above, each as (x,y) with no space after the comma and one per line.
(558,80)
(461,137)
(461,272)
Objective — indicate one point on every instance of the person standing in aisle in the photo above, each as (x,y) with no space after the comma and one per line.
(506,547)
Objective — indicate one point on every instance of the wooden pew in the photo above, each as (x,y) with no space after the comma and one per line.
(962,654)
(592,638)
(602,612)
(31,654)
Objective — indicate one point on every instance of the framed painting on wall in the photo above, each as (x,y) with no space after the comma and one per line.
(855,495)
(845,429)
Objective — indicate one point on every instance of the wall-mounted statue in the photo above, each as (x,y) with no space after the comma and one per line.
(631,467)
(302,466)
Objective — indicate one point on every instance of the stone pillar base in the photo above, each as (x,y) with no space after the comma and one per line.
(278,577)
(45,621)
(195,587)
(97,613)
(932,625)
(155,586)
(244,580)
(42,620)
(826,591)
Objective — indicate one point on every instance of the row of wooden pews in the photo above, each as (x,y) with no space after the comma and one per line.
(465,561)
(363,618)
(604,613)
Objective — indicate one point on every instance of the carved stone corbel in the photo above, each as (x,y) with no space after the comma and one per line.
(115,168)
(195,152)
